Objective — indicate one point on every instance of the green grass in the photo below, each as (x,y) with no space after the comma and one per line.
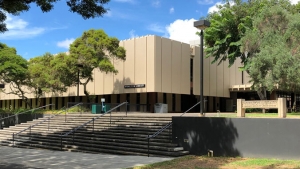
(201,162)
(266,115)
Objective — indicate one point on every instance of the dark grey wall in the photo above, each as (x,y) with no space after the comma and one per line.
(22,118)
(245,137)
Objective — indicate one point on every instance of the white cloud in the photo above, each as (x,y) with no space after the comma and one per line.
(108,14)
(157,28)
(214,8)
(156,3)
(65,43)
(132,34)
(172,10)
(18,29)
(182,30)
(205,2)
(294,2)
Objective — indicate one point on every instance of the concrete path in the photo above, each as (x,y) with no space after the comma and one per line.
(17,158)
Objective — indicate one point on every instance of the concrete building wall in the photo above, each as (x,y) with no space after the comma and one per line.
(163,65)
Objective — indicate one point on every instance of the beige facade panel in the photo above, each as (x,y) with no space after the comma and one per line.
(185,69)
(226,79)
(129,65)
(206,76)
(152,61)
(196,71)
(212,77)
(99,83)
(141,63)
(238,72)
(108,80)
(119,77)
(158,64)
(176,66)
(220,79)
(166,55)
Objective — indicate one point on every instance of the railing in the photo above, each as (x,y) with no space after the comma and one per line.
(92,120)
(87,107)
(48,119)
(23,113)
(165,127)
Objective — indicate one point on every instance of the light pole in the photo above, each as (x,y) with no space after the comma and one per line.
(201,24)
(78,81)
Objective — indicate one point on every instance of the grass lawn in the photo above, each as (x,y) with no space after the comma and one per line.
(266,115)
(202,162)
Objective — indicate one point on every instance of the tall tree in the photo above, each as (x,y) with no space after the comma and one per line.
(94,50)
(48,74)
(274,45)
(228,26)
(86,8)
(14,72)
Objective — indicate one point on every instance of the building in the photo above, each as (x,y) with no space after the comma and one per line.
(158,70)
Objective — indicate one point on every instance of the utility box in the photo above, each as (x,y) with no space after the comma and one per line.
(96,109)
(160,108)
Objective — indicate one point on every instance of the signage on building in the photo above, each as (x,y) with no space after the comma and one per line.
(134,86)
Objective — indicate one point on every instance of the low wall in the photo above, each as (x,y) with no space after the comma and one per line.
(244,137)
(22,118)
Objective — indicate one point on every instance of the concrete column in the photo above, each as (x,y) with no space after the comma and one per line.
(160,97)
(59,103)
(7,104)
(123,99)
(152,101)
(66,101)
(143,100)
(169,102)
(16,103)
(240,110)
(210,104)
(133,102)
(113,98)
(12,103)
(23,104)
(217,103)
(178,103)
(34,103)
(282,107)
(47,102)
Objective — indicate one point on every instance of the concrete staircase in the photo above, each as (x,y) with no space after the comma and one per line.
(116,135)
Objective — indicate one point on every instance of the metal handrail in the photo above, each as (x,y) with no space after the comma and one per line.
(67,133)
(26,111)
(166,126)
(169,124)
(44,120)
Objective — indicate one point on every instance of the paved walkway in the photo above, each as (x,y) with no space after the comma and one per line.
(17,158)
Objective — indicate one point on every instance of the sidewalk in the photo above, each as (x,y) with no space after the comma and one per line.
(17,158)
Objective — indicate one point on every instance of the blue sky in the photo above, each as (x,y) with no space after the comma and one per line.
(34,33)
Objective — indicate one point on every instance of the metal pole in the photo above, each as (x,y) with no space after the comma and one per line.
(201,74)
(48,123)
(93,124)
(110,118)
(65,115)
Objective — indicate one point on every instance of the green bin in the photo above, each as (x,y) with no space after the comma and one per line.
(96,109)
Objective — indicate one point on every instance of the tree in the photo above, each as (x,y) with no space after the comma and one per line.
(87,8)
(228,26)
(94,50)
(274,45)
(14,72)
(47,73)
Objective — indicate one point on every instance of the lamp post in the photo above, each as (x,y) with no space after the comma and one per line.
(201,24)
(78,80)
